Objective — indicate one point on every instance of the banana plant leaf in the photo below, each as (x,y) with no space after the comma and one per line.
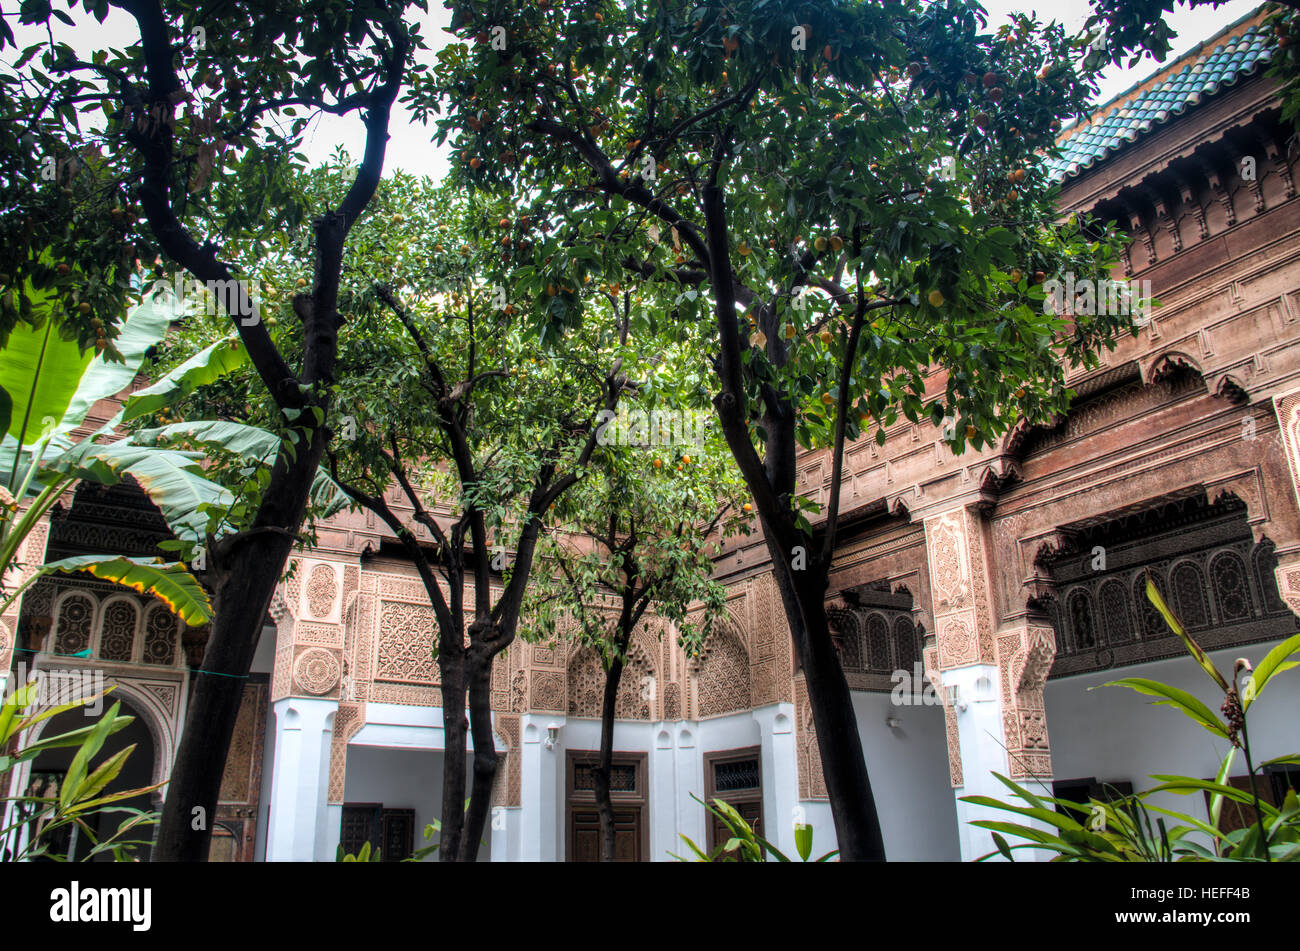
(53,384)
(207,366)
(173,479)
(250,443)
(171,582)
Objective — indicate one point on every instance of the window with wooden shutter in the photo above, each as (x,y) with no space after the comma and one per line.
(735,777)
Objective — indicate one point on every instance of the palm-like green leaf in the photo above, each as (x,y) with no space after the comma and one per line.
(145,327)
(53,384)
(40,371)
(173,479)
(251,444)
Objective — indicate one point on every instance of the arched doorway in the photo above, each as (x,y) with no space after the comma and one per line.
(50,768)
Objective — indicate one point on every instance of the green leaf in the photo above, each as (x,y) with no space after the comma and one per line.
(41,373)
(206,366)
(1290,759)
(693,847)
(81,762)
(1174,697)
(103,775)
(71,738)
(1274,662)
(803,839)
(1193,648)
(174,480)
(1184,785)
(1005,849)
(145,326)
(171,581)
(6,409)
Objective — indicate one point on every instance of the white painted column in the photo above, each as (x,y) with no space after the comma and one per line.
(982,744)
(780,775)
(499,837)
(299,824)
(663,796)
(691,816)
(539,813)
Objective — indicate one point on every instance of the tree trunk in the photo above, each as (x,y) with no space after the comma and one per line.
(604,804)
(773,483)
(452,674)
(853,806)
(247,567)
(485,755)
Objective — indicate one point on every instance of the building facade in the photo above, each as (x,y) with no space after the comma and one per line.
(976,599)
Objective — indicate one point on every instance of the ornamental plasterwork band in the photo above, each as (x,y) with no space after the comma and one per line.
(963,635)
(958,591)
(307,610)
(930,659)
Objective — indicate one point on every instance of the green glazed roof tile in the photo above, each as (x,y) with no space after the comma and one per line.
(1205,71)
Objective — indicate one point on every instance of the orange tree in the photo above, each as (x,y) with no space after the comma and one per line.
(200,117)
(848,198)
(446,394)
(638,534)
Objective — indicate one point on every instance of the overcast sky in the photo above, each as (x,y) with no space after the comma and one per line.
(410,148)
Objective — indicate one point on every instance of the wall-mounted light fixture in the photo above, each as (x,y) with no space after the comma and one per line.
(552,734)
(954,698)
(893,722)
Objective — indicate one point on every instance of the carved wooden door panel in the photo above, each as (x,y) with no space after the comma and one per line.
(360,825)
(397,834)
(584,838)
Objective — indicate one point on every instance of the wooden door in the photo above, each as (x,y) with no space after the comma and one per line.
(241,783)
(397,833)
(628,792)
(584,838)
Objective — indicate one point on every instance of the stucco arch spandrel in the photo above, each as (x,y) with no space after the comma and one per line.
(722,674)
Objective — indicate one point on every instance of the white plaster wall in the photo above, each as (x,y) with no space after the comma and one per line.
(397,759)
(296,830)
(908,767)
(402,779)
(675,771)
(630,736)
(264,656)
(1114,733)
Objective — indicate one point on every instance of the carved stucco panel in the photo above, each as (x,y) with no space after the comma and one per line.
(930,660)
(316,672)
(349,719)
(507,783)
(812,782)
(1024,660)
(950,575)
